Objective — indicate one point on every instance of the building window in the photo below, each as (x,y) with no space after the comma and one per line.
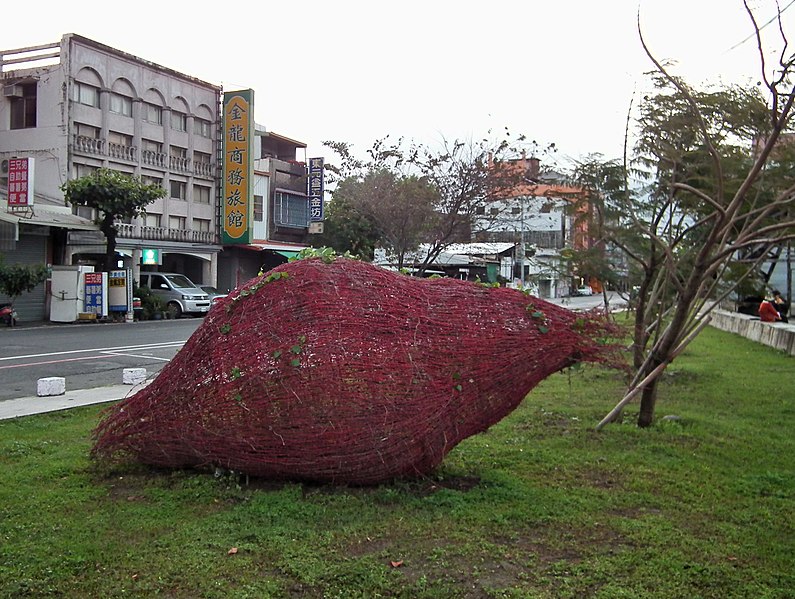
(259,209)
(120,104)
(153,114)
(153,220)
(120,139)
(201,224)
(201,157)
(177,222)
(89,131)
(179,121)
(147,145)
(84,212)
(147,180)
(23,107)
(291,210)
(201,127)
(178,152)
(201,194)
(85,94)
(178,190)
(516,210)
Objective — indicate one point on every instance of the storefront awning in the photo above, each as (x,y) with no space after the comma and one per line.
(49,218)
(292,248)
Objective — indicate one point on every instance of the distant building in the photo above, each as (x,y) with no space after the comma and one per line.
(538,214)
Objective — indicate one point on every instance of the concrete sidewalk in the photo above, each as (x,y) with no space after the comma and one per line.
(27,406)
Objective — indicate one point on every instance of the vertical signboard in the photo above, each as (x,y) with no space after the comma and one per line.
(94,300)
(315,189)
(238,169)
(20,182)
(118,288)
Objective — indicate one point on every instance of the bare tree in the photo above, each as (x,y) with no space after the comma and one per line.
(709,201)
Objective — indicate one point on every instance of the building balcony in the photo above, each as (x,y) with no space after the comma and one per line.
(143,232)
(91,146)
(152,158)
(88,145)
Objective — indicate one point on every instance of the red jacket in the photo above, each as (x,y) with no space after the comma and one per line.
(768,313)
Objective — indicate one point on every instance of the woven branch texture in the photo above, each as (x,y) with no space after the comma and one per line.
(345,372)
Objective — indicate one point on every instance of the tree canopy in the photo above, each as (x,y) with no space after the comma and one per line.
(706,193)
(115,196)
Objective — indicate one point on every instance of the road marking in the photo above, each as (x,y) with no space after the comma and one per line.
(49,362)
(110,353)
(164,345)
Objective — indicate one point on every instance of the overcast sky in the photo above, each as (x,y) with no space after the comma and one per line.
(558,71)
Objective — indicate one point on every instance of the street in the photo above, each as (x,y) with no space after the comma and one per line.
(86,355)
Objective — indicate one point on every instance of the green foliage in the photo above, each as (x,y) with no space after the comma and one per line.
(115,196)
(151,303)
(16,279)
(537,506)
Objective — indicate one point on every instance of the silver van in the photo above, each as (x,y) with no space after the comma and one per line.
(178,292)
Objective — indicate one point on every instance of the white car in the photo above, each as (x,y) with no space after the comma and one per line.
(584,291)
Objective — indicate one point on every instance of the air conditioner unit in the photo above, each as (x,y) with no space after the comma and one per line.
(12,91)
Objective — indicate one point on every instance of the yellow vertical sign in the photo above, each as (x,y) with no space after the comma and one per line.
(238,172)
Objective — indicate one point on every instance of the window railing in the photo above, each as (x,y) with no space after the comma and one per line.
(89,145)
(120,151)
(204,169)
(130,231)
(154,158)
(177,163)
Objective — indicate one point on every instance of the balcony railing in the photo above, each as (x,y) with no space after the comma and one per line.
(128,231)
(153,158)
(121,152)
(177,163)
(89,145)
(99,147)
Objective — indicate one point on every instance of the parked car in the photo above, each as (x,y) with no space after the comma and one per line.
(178,292)
(212,293)
(584,291)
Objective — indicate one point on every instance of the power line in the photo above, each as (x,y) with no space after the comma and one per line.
(781,12)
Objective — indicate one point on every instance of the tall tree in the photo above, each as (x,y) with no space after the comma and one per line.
(422,195)
(709,196)
(346,227)
(114,196)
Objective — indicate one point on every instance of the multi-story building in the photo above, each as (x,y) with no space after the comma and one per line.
(539,214)
(280,211)
(78,105)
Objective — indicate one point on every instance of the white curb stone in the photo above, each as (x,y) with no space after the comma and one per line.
(133,376)
(51,385)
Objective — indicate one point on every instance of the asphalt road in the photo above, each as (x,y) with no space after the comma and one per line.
(86,355)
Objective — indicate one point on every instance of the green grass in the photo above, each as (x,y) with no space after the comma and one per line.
(539,506)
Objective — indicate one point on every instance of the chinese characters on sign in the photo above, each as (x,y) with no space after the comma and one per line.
(238,180)
(119,290)
(20,182)
(315,189)
(93,293)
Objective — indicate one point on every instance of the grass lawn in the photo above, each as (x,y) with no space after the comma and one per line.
(538,506)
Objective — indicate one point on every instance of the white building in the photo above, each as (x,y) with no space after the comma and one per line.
(78,105)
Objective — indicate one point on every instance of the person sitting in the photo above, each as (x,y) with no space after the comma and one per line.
(781,306)
(768,312)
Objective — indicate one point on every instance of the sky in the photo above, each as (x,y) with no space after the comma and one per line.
(355,71)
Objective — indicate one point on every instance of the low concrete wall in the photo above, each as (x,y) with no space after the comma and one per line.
(775,334)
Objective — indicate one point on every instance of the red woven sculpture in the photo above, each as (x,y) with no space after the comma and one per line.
(345,372)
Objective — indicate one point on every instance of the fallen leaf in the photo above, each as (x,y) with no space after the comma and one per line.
(232,551)
(396,564)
